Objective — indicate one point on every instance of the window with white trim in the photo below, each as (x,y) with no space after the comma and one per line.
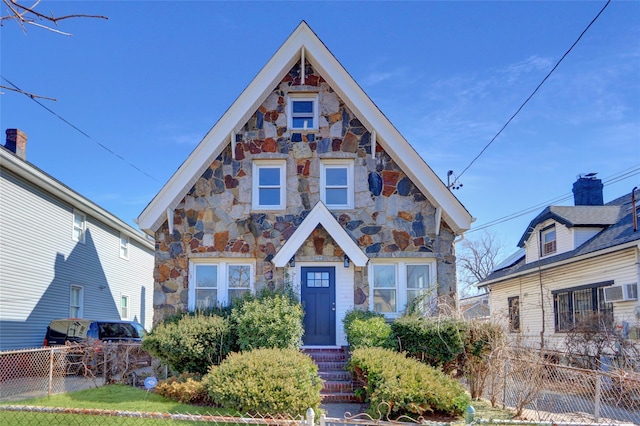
(269,190)
(302,112)
(124,246)
(336,183)
(79,226)
(216,282)
(398,286)
(76,301)
(124,306)
(548,241)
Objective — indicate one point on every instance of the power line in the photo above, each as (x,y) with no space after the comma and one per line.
(115,154)
(534,92)
(625,174)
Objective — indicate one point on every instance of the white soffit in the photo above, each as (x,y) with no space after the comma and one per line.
(320,215)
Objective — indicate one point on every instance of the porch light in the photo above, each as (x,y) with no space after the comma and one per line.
(292,261)
(346,261)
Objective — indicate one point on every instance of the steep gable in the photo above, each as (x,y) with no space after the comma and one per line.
(304,46)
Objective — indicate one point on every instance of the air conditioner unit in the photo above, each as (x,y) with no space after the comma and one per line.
(621,292)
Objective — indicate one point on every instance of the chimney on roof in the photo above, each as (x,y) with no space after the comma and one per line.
(17,142)
(587,190)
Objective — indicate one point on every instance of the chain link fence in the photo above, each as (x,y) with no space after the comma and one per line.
(32,373)
(543,391)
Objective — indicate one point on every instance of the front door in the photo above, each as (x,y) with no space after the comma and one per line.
(319,301)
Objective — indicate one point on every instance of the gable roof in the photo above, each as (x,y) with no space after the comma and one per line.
(320,215)
(323,61)
(50,185)
(575,216)
(616,236)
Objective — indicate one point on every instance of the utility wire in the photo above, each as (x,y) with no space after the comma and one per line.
(115,154)
(534,92)
(625,174)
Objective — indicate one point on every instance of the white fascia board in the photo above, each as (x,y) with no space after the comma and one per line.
(320,215)
(52,186)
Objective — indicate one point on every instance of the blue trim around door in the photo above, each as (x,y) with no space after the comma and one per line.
(318,294)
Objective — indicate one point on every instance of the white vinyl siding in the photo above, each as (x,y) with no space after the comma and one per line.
(564,241)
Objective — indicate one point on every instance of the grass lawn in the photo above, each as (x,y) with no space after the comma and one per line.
(111,397)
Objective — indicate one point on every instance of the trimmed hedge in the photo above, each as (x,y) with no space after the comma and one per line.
(190,344)
(367,329)
(405,385)
(266,381)
(273,321)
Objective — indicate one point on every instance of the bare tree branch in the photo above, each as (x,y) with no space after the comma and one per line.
(476,259)
(31,95)
(28,15)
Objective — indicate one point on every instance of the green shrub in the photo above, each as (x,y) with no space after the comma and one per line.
(438,342)
(404,385)
(273,321)
(186,388)
(366,329)
(266,381)
(191,344)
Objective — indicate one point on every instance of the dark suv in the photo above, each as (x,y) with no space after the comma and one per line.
(76,330)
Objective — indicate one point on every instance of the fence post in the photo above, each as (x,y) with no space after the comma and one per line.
(310,416)
(50,391)
(597,396)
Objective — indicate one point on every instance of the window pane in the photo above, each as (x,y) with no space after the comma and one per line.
(206,299)
(418,276)
(75,296)
(336,196)
(384,276)
(77,220)
(564,318)
(336,176)
(302,122)
(239,276)
(269,176)
(302,106)
(74,312)
(582,304)
(549,236)
(206,276)
(269,196)
(384,300)
(236,294)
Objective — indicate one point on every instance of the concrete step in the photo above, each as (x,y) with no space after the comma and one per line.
(344,397)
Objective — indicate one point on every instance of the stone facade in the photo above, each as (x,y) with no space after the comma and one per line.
(391,218)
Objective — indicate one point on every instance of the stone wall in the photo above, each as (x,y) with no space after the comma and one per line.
(392,217)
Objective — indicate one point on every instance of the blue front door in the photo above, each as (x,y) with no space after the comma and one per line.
(319,301)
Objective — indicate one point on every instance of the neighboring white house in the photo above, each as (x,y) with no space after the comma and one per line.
(574,261)
(304,178)
(63,256)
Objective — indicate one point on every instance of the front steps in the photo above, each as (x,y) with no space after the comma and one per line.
(338,383)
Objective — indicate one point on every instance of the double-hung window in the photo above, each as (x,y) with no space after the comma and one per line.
(400,286)
(548,241)
(269,184)
(79,226)
(76,301)
(217,283)
(302,112)
(336,183)
(124,246)
(124,306)
(581,305)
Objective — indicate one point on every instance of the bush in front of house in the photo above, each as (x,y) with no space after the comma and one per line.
(266,381)
(367,329)
(186,388)
(270,321)
(190,344)
(436,341)
(405,386)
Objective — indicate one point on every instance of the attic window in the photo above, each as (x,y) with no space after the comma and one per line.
(302,112)
(548,241)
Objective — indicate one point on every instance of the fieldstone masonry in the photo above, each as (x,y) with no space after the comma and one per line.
(392,217)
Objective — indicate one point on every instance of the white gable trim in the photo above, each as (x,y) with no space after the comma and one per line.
(320,215)
(323,61)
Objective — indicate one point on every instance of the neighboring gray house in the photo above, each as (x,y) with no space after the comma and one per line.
(305,180)
(62,255)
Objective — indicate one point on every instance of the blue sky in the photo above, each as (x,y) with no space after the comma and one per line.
(152,80)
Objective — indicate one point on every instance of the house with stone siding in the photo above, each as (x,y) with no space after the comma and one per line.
(304,182)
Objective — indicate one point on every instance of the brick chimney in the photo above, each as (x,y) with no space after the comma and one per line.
(587,190)
(17,142)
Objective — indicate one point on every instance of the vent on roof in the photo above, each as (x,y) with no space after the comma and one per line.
(621,293)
